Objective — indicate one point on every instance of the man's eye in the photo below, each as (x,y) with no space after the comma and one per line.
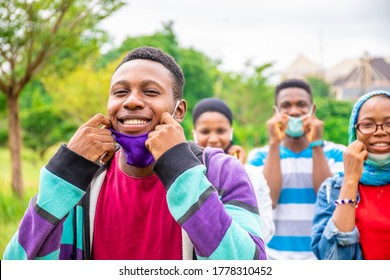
(120,92)
(151,92)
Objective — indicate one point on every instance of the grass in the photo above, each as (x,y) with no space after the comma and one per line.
(11,207)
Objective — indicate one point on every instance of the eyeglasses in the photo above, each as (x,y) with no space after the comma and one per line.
(371,128)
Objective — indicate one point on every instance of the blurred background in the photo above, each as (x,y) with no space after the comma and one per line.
(57,57)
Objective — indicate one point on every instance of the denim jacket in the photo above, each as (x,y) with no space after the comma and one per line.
(327,241)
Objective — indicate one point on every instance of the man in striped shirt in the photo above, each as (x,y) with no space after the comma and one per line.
(295,163)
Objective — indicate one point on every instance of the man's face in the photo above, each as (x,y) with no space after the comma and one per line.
(294,102)
(140,92)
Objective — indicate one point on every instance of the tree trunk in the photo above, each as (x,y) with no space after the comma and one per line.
(15,143)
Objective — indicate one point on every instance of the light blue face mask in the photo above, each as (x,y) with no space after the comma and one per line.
(378,160)
(295,127)
(295,124)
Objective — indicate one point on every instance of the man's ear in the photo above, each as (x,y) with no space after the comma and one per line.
(180,111)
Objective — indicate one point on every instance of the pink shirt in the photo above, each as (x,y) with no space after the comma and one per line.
(133,221)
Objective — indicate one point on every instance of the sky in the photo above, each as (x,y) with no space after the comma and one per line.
(263,31)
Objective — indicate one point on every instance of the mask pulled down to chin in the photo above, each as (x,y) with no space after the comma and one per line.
(378,160)
(134,148)
(295,127)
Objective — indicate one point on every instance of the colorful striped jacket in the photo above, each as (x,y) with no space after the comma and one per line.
(58,223)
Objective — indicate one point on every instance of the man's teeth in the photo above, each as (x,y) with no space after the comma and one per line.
(134,122)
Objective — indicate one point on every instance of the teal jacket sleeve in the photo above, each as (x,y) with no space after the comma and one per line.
(216,205)
(63,182)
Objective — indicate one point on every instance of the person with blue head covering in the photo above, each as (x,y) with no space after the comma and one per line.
(352,213)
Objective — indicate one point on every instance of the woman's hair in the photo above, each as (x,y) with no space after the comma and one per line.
(212,105)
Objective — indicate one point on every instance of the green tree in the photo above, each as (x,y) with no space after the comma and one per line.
(319,87)
(335,114)
(34,34)
(201,75)
(251,98)
(43,125)
(82,93)
(164,39)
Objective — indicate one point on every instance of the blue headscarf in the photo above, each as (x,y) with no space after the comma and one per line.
(372,175)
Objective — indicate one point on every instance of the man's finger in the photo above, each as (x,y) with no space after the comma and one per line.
(313,113)
(167,118)
(98,120)
(276,111)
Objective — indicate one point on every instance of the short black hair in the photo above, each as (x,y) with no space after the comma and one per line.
(293,83)
(157,55)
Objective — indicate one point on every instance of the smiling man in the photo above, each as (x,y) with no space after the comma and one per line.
(155,197)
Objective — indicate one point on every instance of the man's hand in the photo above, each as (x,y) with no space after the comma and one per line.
(92,141)
(313,127)
(167,134)
(276,127)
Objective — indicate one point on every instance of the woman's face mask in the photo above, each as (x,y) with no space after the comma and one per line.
(295,124)
(378,160)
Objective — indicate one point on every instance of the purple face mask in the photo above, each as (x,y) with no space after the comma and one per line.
(134,148)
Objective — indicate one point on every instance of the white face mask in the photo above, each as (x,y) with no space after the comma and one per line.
(174,110)
(378,160)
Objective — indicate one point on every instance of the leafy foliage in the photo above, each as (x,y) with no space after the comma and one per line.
(250,96)
(82,93)
(59,33)
(44,127)
(335,115)
(320,88)
(43,35)
(164,39)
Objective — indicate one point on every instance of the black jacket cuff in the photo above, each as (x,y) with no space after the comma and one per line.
(174,162)
(72,167)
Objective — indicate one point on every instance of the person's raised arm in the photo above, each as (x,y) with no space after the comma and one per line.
(272,168)
(63,183)
(314,132)
(354,156)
